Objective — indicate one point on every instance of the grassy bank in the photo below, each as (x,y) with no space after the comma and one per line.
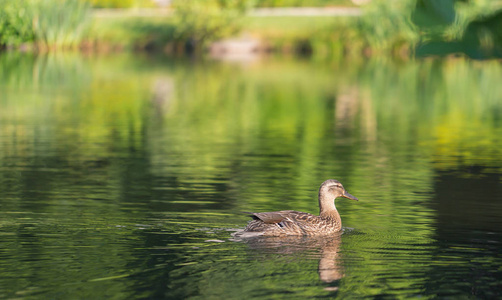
(397,28)
(303,3)
(279,33)
(318,35)
(129,33)
(384,27)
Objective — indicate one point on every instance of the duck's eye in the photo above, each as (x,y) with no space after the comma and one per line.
(334,188)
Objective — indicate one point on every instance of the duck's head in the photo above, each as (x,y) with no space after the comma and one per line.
(332,189)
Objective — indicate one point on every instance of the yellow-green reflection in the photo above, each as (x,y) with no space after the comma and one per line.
(124,166)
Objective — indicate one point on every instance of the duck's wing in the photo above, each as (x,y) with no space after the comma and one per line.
(284,222)
(273,217)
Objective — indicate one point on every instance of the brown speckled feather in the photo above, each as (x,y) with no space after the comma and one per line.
(290,222)
(271,217)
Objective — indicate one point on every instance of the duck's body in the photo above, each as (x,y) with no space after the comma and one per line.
(290,222)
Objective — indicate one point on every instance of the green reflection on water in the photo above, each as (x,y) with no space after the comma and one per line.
(115,170)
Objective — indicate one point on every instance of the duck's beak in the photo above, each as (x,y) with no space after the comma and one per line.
(347,195)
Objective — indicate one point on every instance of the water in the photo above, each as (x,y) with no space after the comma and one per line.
(123,177)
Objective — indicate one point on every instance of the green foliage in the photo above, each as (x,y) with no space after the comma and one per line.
(448,20)
(130,33)
(384,27)
(120,3)
(199,22)
(387,24)
(112,3)
(60,23)
(15,22)
(467,12)
(293,3)
(487,34)
(395,27)
(50,23)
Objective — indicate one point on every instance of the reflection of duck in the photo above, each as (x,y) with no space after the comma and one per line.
(330,268)
(290,222)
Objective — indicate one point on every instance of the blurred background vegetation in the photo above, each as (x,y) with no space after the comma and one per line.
(138,138)
(399,27)
(259,3)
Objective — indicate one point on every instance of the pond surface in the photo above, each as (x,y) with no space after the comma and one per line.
(123,177)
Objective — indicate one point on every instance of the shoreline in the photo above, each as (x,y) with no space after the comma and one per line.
(332,11)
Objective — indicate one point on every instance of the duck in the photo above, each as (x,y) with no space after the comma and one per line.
(290,222)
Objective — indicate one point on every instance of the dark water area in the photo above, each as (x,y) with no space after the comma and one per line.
(123,177)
